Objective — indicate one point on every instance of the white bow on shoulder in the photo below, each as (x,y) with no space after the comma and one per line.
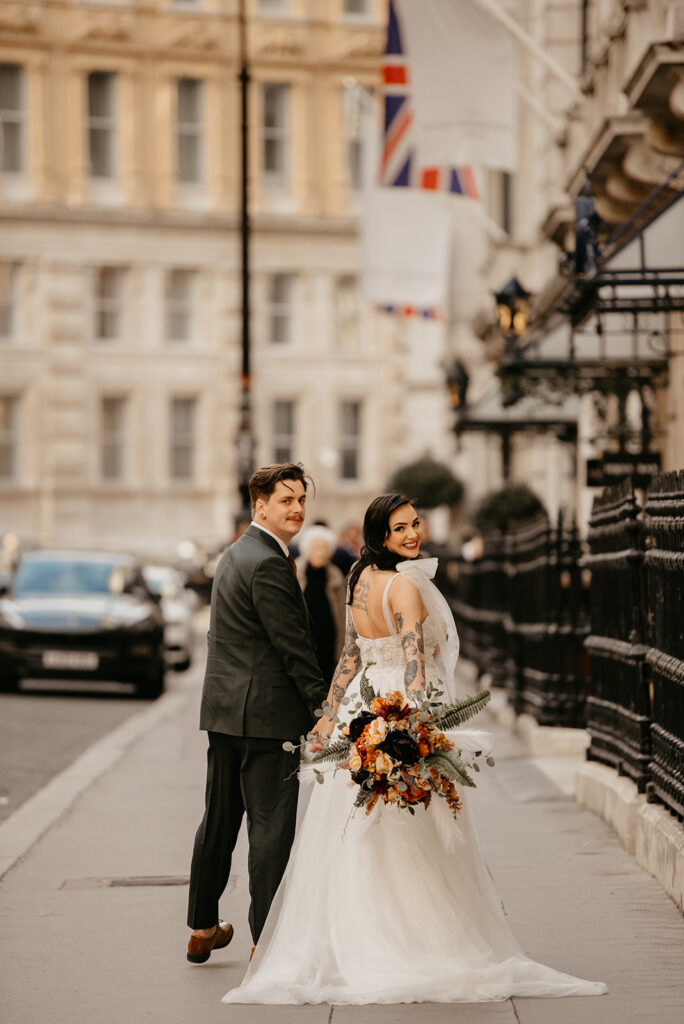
(426,567)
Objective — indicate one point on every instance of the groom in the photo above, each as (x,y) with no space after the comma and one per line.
(262,686)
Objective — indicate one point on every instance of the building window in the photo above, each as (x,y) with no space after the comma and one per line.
(350,440)
(113,438)
(507,202)
(109,295)
(276,109)
(284,422)
(182,438)
(273,6)
(8,299)
(280,288)
(357,102)
(9,441)
(180,295)
(12,117)
(356,8)
(189,131)
(346,312)
(102,124)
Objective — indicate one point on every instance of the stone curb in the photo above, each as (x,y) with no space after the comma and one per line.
(647,831)
(540,740)
(21,830)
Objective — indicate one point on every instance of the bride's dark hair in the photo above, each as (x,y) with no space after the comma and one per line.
(375,530)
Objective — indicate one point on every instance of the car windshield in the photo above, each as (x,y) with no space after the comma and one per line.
(60,576)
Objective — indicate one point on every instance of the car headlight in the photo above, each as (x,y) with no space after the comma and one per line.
(131,618)
(12,617)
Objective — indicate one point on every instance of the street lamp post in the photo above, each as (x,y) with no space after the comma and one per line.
(245,438)
(512,308)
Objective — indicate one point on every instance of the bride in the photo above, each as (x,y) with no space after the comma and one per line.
(390,907)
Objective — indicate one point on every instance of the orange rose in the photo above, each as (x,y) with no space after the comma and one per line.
(377,731)
(383,763)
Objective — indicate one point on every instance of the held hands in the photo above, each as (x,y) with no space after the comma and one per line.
(322,730)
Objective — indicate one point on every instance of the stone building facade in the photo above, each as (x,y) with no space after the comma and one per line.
(120,319)
(614,130)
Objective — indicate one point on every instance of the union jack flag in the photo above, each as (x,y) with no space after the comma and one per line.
(399,163)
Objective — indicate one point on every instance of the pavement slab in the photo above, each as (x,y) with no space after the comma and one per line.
(94,913)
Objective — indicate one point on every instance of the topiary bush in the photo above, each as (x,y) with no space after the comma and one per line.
(429,483)
(499,510)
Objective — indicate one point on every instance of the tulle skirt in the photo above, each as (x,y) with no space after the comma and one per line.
(390,908)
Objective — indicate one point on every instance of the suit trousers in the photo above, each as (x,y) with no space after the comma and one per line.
(256,776)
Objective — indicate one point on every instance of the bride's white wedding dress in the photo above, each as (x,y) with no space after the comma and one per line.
(391,907)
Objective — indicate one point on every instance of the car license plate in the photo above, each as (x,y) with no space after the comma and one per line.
(81,661)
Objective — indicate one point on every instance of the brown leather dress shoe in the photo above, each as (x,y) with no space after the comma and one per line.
(200,947)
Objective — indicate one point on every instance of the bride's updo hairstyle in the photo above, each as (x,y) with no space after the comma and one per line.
(375,531)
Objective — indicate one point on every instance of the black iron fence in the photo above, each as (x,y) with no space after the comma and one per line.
(521,616)
(663,568)
(618,705)
(590,635)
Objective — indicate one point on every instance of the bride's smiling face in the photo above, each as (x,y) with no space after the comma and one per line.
(405,532)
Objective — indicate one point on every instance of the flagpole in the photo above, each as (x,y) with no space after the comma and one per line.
(528,43)
(554,123)
(245,437)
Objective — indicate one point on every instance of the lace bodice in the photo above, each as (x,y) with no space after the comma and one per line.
(386,653)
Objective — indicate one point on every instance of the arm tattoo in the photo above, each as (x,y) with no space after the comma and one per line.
(347,667)
(399,619)
(413,646)
(361,592)
(411,672)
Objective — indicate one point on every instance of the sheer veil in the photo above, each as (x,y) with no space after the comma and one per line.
(420,571)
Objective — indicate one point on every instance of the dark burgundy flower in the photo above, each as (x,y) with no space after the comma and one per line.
(401,746)
(360,777)
(358,724)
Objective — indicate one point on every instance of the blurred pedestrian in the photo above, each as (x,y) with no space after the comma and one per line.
(325,594)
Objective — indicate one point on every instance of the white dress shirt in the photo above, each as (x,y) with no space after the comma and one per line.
(283,546)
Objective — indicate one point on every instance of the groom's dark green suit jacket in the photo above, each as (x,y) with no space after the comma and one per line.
(262,676)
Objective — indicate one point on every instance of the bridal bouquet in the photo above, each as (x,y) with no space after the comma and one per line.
(399,750)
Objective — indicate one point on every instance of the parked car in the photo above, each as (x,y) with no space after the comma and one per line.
(178,605)
(76,615)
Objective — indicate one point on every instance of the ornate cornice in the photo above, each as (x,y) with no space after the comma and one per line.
(277,41)
(108,26)
(19,18)
(195,35)
(361,44)
(644,165)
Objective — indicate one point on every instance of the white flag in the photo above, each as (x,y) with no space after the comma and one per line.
(463,75)
(405,239)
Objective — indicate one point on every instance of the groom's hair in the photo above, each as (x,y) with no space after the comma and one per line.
(262,483)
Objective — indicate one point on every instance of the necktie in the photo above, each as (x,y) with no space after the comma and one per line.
(292,563)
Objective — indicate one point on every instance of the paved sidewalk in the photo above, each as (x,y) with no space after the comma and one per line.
(74,947)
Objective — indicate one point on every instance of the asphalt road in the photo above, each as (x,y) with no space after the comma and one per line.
(49,724)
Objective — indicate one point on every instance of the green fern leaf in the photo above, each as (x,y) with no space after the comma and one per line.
(362,797)
(459,712)
(451,767)
(367,692)
(334,752)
